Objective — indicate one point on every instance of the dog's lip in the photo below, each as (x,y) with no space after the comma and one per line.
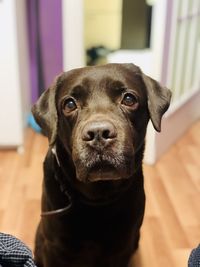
(104,171)
(104,161)
(106,166)
(101,168)
(103,165)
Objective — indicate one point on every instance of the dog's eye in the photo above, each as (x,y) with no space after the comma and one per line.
(130,100)
(69,105)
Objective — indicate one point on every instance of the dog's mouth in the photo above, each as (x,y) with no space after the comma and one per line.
(102,177)
(102,167)
(103,170)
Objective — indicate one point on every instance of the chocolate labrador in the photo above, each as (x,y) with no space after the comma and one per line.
(93,197)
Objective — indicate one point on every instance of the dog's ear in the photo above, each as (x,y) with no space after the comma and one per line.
(45,111)
(158,100)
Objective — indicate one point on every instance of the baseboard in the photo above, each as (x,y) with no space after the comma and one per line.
(179,118)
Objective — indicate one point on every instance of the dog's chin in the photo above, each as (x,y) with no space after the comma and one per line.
(103,171)
(101,174)
(103,183)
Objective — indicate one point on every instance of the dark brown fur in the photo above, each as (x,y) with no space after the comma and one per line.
(97,165)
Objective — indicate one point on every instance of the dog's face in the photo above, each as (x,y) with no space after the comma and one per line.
(100,115)
(104,113)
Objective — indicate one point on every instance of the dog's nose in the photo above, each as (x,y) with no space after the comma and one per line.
(99,131)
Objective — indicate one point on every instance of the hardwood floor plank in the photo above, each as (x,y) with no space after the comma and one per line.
(168,216)
(180,257)
(29,220)
(179,188)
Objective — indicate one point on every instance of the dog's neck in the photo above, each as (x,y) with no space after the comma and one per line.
(74,190)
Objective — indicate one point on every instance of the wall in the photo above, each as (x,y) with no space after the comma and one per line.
(14,85)
(72,34)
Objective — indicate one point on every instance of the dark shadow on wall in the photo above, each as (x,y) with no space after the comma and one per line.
(136,24)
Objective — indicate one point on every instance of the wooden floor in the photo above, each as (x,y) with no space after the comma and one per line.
(172,220)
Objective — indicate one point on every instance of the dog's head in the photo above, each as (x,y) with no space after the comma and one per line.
(100,115)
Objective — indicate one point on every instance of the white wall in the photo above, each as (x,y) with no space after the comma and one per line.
(13,72)
(73,43)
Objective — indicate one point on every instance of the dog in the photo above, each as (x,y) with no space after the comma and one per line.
(93,197)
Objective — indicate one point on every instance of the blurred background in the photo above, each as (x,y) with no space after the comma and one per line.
(41,38)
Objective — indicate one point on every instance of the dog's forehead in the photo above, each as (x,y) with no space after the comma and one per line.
(104,78)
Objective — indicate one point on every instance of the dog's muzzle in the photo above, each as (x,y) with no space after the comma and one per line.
(101,153)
